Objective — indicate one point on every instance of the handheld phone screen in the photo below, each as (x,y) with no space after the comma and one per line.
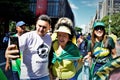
(14,40)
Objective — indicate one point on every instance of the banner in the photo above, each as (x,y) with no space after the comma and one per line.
(108,70)
(41,7)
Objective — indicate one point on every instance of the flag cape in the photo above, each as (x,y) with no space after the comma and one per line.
(103,73)
(71,52)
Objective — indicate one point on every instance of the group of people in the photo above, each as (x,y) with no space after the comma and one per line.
(44,58)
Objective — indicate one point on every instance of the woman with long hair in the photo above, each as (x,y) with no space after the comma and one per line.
(101,48)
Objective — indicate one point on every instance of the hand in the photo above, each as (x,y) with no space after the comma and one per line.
(87,57)
(11,52)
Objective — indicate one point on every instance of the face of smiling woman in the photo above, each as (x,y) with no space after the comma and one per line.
(63,38)
(98,31)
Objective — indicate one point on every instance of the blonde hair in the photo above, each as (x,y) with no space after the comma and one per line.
(64,20)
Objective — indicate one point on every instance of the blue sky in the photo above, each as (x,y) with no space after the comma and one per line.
(84,10)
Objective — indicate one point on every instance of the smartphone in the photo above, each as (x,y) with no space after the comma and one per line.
(15,40)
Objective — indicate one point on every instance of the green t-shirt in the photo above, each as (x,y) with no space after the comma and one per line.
(100,51)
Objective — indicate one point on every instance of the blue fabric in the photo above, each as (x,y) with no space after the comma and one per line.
(15,75)
(97,66)
(20,23)
(83,48)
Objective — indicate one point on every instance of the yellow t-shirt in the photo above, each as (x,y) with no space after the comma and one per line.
(64,70)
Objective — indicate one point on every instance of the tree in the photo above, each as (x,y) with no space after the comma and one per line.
(115,24)
(78,30)
(15,10)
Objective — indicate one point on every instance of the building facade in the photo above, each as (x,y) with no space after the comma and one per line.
(53,8)
(108,7)
(105,8)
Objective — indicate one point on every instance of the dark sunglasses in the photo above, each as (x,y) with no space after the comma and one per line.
(99,28)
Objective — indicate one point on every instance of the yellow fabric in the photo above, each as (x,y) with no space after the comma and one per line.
(64,70)
(74,40)
(54,36)
(114,37)
(102,52)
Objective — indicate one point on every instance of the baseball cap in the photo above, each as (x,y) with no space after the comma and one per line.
(100,24)
(20,23)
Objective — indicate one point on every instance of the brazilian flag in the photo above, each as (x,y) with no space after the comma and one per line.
(105,71)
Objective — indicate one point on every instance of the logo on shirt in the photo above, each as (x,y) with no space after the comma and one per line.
(42,51)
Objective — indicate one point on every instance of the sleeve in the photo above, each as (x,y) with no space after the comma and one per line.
(22,42)
(111,43)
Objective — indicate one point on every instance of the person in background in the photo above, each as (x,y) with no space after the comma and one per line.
(6,40)
(101,49)
(88,36)
(63,53)
(82,43)
(35,47)
(21,29)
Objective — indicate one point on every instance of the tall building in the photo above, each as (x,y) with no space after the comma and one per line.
(107,7)
(53,8)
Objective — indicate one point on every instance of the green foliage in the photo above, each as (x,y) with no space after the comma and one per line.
(114,25)
(78,30)
(16,10)
(12,26)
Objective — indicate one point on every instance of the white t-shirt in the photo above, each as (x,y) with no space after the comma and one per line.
(35,49)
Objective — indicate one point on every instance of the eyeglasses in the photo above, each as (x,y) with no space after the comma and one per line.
(99,28)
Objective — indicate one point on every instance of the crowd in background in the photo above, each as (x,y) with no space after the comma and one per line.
(63,54)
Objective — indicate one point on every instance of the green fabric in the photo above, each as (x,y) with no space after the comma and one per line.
(2,75)
(104,71)
(100,24)
(111,44)
(101,54)
(71,52)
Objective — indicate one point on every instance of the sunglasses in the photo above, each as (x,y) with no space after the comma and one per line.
(99,28)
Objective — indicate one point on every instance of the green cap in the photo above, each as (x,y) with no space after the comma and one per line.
(101,24)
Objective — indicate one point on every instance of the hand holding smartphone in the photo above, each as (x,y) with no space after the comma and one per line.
(14,40)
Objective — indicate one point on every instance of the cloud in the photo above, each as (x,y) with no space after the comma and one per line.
(89,3)
(73,6)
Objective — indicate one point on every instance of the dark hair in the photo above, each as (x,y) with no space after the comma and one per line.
(45,18)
